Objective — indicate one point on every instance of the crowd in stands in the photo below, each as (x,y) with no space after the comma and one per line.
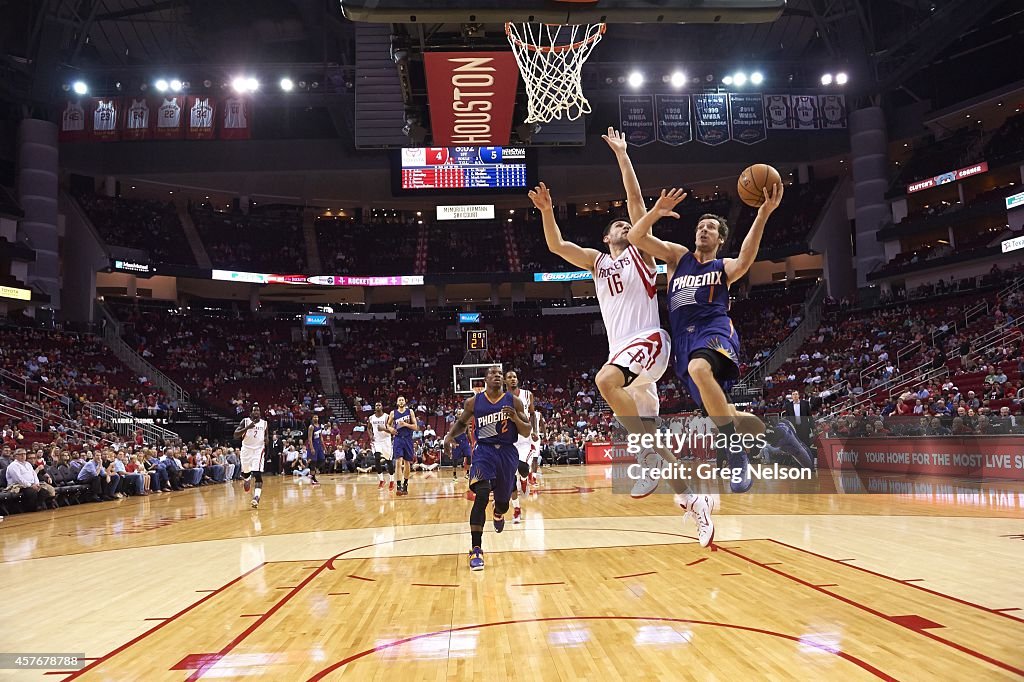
(374,247)
(933,156)
(791,223)
(1008,142)
(266,239)
(143,224)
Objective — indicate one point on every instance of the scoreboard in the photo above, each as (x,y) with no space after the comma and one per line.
(463,168)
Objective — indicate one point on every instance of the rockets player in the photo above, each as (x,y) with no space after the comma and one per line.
(525,445)
(253,432)
(638,347)
(499,421)
(705,343)
(380,445)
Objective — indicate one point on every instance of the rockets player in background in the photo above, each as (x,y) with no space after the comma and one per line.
(705,344)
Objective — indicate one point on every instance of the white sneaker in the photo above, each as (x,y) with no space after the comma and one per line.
(700,508)
(255,504)
(644,486)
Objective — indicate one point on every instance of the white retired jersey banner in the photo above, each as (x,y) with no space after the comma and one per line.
(805,112)
(72,121)
(170,117)
(235,119)
(833,111)
(106,113)
(201,117)
(137,119)
(778,112)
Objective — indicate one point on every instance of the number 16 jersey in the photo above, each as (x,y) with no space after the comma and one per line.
(627,296)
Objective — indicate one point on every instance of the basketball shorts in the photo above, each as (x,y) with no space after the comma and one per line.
(251,459)
(317,455)
(461,452)
(498,464)
(383,449)
(526,448)
(403,449)
(717,341)
(644,358)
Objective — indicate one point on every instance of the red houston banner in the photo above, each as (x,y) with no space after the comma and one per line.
(472,96)
(985,456)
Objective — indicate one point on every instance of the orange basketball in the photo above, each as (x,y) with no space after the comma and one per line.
(752,182)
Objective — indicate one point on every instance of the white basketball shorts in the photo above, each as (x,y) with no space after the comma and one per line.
(645,356)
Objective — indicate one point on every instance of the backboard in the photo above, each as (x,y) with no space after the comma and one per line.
(565,12)
(467,377)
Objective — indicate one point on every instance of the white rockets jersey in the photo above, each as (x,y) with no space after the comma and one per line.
(170,114)
(138,115)
(202,114)
(255,437)
(105,116)
(234,114)
(73,118)
(526,398)
(379,427)
(627,295)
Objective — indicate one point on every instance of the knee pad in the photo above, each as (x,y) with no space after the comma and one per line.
(524,469)
(478,515)
(391,467)
(258,476)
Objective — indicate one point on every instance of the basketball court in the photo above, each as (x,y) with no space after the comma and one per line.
(346,582)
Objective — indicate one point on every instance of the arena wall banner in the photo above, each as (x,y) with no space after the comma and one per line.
(607,453)
(746,118)
(778,112)
(948,177)
(673,116)
(106,119)
(471,96)
(72,121)
(137,123)
(805,112)
(976,456)
(236,119)
(201,117)
(169,118)
(833,111)
(636,119)
(711,111)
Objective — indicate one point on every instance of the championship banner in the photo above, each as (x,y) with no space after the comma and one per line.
(975,456)
(72,121)
(833,111)
(805,112)
(170,118)
(235,119)
(673,116)
(106,119)
(472,97)
(711,112)
(636,119)
(201,117)
(137,119)
(746,116)
(778,112)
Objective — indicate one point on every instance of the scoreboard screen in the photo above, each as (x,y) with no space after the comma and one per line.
(460,170)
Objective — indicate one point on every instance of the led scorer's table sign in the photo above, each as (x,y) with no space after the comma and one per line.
(1015,201)
(317,280)
(578,275)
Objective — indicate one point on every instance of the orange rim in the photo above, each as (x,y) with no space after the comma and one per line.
(554,48)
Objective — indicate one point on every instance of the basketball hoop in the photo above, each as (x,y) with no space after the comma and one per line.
(551,58)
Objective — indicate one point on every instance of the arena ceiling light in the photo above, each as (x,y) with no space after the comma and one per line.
(678,79)
(841,78)
(756,78)
(287,84)
(175,85)
(826,79)
(252,84)
(161,85)
(79,87)
(243,84)
(635,79)
(727,80)
(739,78)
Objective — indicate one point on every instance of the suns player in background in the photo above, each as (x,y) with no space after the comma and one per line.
(462,452)
(315,449)
(254,432)
(705,342)
(525,445)
(403,423)
(499,420)
(380,445)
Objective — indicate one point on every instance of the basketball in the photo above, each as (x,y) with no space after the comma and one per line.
(753,180)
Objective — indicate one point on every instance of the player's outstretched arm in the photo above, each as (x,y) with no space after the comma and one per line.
(735,268)
(460,424)
(243,427)
(640,234)
(634,195)
(574,253)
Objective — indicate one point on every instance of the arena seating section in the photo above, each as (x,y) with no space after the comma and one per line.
(151,226)
(268,239)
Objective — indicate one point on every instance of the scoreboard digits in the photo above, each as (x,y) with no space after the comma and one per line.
(464,168)
(476,339)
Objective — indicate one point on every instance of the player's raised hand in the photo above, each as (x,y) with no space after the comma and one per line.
(541,197)
(772,199)
(668,200)
(615,140)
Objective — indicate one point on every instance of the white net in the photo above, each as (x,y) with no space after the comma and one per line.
(550,58)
